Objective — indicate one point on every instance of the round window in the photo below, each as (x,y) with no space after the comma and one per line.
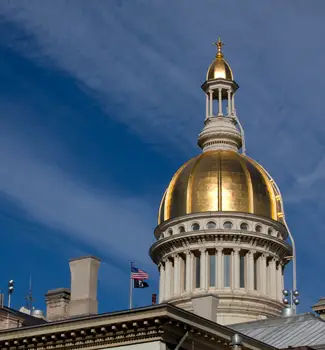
(211,225)
(195,227)
(244,226)
(258,228)
(227,225)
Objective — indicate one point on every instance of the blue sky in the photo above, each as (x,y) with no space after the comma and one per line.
(100,103)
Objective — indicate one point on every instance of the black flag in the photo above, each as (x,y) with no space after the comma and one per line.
(140,284)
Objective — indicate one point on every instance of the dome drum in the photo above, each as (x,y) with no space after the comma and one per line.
(242,223)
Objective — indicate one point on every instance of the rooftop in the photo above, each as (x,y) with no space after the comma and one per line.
(283,332)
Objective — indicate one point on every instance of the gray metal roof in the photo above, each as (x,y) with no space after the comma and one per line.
(282,332)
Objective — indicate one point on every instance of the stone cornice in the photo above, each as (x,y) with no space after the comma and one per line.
(162,322)
(184,240)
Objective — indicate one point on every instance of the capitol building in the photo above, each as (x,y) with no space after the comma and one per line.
(222,245)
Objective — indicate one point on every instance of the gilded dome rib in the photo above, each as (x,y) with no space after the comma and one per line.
(269,187)
(221,180)
(162,208)
(190,186)
(170,191)
(249,185)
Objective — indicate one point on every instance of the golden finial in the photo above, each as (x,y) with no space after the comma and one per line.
(219,45)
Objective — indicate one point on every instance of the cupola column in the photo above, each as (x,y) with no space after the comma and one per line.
(220,102)
(206,106)
(211,103)
(233,110)
(229,103)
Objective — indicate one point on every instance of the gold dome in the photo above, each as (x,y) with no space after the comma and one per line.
(219,68)
(224,181)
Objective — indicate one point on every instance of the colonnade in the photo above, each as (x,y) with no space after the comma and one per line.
(230,102)
(220,269)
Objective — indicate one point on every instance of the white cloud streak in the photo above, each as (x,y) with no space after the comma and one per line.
(48,195)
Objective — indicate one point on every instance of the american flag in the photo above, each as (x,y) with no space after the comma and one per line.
(138,274)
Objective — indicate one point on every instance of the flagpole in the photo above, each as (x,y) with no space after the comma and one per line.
(131,288)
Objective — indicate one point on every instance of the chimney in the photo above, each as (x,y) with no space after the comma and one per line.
(319,308)
(57,302)
(84,272)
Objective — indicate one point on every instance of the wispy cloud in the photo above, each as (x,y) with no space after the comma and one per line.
(101,219)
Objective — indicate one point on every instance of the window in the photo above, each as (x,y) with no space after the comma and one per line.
(195,227)
(269,231)
(244,226)
(211,225)
(170,232)
(181,229)
(197,272)
(227,225)
(227,270)
(242,271)
(258,228)
(212,260)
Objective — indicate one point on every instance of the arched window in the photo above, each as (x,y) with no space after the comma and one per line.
(244,226)
(195,226)
(227,225)
(269,231)
(181,229)
(258,228)
(211,225)
(170,232)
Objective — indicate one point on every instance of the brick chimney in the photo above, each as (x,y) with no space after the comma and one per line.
(57,302)
(84,276)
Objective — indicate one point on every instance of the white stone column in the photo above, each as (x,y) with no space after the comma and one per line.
(161,282)
(279,286)
(202,269)
(167,279)
(250,270)
(177,275)
(211,103)
(206,106)
(219,269)
(233,110)
(272,274)
(207,269)
(262,274)
(188,287)
(235,268)
(229,102)
(219,102)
